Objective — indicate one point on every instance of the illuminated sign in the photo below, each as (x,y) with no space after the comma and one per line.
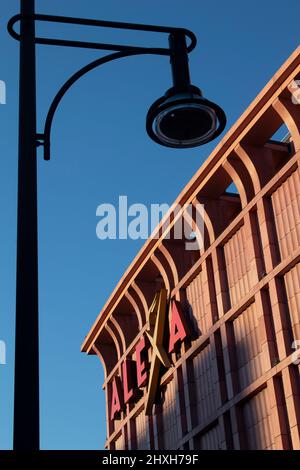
(138,373)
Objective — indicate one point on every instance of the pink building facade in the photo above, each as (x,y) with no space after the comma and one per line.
(233,382)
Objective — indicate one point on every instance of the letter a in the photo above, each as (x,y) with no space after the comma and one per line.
(178,327)
(116,398)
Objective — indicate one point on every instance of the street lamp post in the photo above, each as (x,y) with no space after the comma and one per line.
(26,400)
(181,118)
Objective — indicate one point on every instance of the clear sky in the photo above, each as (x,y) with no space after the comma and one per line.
(100,150)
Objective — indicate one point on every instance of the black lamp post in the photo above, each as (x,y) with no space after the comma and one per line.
(182,118)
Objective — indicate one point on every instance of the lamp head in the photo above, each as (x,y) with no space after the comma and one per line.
(183,119)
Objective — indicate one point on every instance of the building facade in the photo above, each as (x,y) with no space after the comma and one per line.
(199,346)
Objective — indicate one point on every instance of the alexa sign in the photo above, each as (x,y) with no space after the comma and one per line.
(138,373)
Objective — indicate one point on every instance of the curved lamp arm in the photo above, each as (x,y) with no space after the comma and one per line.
(44,139)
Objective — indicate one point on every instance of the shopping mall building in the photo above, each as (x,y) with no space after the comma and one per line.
(198,346)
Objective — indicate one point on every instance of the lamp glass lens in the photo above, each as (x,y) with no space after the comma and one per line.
(185,124)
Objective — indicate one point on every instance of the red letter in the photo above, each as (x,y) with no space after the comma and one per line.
(141,362)
(178,328)
(128,375)
(116,398)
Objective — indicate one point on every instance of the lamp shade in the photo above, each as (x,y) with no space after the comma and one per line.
(183,119)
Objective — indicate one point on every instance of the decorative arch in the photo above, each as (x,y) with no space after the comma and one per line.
(105,348)
(144,290)
(128,320)
(115,340)
(248,156)
(162,270)
(228,167)
(289,112)
(135,308)
(119,333)
(168,260)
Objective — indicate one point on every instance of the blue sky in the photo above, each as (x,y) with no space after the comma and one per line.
(100,150)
